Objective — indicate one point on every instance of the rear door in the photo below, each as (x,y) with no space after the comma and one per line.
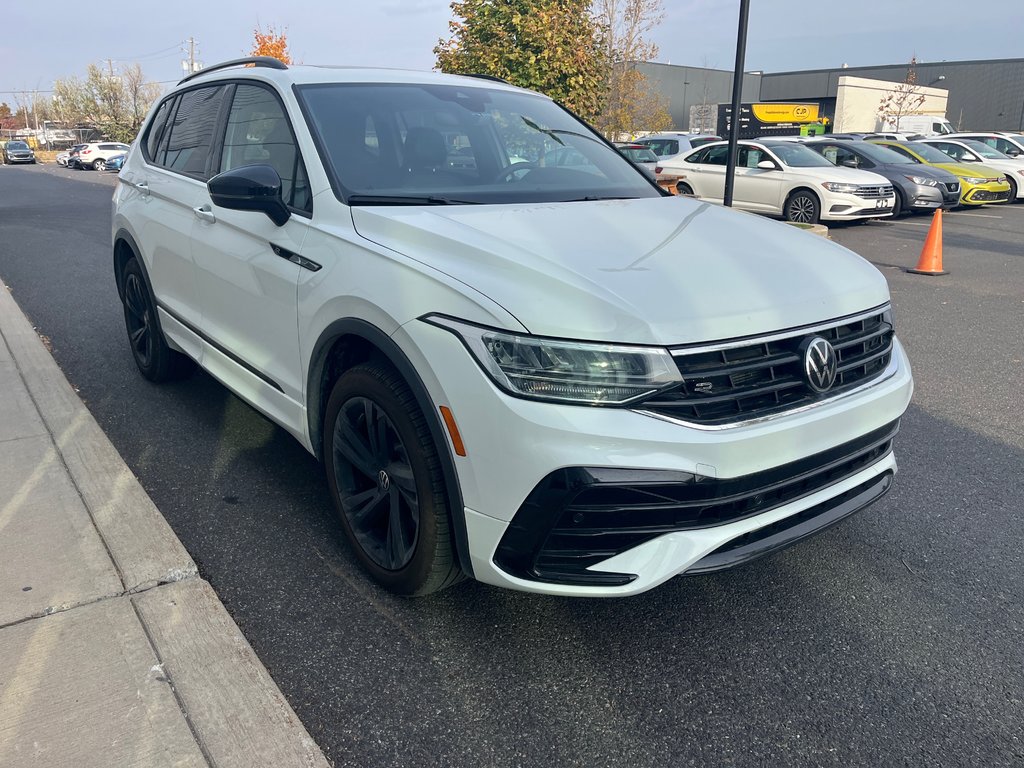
(705,172)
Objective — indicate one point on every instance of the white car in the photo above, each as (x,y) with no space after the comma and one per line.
(550,379)
(671,146)
(95,154)
(1010,144)
(785,178)
(969,151)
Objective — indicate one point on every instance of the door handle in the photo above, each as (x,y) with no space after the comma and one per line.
(204,213)
(141,186)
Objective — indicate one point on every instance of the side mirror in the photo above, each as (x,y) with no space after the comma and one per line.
(767,165)
(1012,153)
(850,162)
(250,188)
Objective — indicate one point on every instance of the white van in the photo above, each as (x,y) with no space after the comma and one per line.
(924,125)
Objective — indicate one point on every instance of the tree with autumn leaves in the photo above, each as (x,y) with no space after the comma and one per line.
(270,43)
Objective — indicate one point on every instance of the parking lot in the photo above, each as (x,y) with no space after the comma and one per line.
(891,639)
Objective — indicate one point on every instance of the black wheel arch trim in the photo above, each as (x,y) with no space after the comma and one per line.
(316,402)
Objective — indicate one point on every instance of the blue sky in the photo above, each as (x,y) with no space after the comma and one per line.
(38,47)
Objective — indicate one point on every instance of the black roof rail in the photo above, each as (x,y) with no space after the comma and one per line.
(495,78)
(257,61)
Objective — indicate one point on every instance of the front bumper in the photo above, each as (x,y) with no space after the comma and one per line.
(844,207)
(20,158)
(986,193)
(514,446)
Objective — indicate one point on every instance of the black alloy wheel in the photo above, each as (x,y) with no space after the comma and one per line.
(153,357)
(384,473)
(802,207)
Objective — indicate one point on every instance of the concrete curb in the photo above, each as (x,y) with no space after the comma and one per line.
(236,713)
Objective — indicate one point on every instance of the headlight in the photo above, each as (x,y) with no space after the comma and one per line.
(924,180)
(977,180)
(565,371)
(834,186)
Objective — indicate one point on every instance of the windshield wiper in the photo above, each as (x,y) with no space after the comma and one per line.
(552,133)
(406,200)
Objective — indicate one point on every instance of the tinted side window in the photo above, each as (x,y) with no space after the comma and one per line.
(195,121)
(697,157)
(258,133)
(156,131)
(717,155)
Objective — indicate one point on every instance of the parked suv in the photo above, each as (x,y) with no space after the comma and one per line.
(671,146)
(549,377)
(95,154)
(16,151)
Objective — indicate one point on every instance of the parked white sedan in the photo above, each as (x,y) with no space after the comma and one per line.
(785,179)
(965,151)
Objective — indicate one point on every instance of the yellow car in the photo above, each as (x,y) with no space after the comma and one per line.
(979,185)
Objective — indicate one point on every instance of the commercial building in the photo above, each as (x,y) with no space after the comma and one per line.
(983,95)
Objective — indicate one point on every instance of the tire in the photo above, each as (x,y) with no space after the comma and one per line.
(156,361)
(97,165)
(1013,190)
(803,207)
(684,189)
(384,474)
(897,207)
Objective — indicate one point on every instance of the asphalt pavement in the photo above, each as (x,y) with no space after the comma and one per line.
(893,639)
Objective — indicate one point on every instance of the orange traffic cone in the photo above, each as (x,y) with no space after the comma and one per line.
(930,262)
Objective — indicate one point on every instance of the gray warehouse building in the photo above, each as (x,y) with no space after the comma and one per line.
(983,95)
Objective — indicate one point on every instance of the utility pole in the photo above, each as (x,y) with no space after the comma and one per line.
(110,68)
(737,91)
(190,64)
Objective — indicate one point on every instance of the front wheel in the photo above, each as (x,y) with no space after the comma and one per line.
(802,207)
(154,358)
(384,473)
(1013,190)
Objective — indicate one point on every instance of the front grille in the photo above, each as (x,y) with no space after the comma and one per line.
(578,517)
(761,377)
(991,197)
(874,192)
(953,187)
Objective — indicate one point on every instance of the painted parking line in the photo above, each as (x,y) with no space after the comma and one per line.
(974,215)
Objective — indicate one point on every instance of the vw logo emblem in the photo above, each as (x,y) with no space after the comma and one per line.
(383,480)
(819,364)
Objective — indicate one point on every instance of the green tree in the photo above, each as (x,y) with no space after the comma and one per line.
(551,46)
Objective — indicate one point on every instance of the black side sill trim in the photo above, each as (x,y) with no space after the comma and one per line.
(788,531)
(226,352)
(294,258)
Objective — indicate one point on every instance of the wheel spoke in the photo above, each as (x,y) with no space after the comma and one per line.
(139,338)
(361,506)
(353,448)
(402,478)
(133,298)
(395,546)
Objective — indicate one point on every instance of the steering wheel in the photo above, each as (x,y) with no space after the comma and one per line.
(508,173)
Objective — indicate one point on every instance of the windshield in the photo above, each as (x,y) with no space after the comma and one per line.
(430,144)
(17,145)
(882,155)
(639,154)
(929,153)
(798,156)
(984,150)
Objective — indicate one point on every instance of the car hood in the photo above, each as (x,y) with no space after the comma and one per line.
(974,171)
(913,169)
(650,271)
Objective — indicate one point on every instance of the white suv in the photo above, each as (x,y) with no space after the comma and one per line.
(95,154)
(548,377)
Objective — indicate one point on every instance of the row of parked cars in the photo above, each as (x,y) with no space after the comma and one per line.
(96,156)
(842,177)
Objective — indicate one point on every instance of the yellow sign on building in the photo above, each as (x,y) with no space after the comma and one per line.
(786,113)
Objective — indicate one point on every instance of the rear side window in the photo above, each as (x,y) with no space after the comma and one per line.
(156,131)
(192,132)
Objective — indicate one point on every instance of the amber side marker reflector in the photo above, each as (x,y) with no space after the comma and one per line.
(453,430)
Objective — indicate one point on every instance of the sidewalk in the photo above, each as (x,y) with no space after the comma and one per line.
(113,651)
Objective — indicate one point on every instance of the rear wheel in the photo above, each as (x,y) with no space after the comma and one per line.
(97,165)
(155,360)
(384,474)
(802,207)
(684,189)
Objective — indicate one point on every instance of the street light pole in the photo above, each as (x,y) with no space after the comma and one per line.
(737,92)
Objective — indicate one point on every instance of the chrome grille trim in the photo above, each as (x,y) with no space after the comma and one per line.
(874,192)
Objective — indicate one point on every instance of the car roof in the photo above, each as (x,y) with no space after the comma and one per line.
(314,74)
